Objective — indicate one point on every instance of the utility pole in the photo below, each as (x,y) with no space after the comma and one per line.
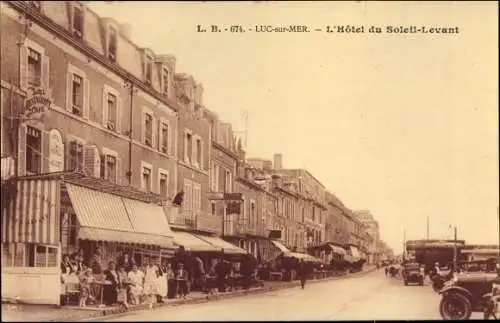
(455,251)
(404,244)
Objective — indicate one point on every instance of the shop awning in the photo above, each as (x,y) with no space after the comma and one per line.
(337,249)
(280,246)
(190,242)
(138,222)
(87,233)
(302,256)
(32,214)
(224,245)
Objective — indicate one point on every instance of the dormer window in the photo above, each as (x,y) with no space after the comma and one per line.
(112,44)
(78,22)
(149,69)
(165,81)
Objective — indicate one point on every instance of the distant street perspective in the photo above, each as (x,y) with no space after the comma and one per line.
(370,297)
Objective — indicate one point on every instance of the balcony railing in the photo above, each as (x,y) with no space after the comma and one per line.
(179,216)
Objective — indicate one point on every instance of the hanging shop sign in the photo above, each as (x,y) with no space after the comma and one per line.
(56,151)
(36,105)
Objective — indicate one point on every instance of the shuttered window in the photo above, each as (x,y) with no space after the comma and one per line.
(75,158)
(34,68)
(148,128)
(146,179)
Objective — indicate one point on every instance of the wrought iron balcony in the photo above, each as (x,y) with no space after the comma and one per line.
(179,216)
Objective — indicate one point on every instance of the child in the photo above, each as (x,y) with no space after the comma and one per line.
(85,281)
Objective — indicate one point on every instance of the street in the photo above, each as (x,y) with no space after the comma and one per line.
(368,297)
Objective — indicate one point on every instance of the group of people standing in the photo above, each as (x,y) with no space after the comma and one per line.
(123,281)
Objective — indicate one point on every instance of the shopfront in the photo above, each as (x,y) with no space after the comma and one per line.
(117,222)
(31,250)
(55,214)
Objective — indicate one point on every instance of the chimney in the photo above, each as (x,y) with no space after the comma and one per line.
(126,30)
(278,161)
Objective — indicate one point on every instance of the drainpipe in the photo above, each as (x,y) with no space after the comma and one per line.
(132,90)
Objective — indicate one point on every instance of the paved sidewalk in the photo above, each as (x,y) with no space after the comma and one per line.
(25,313)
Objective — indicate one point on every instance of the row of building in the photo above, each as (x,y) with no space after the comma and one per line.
(102,136)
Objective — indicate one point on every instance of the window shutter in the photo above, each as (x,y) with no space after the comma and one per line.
(105,116)
(188,196)
(118,170)
(118,113)
(23,66)
(185,147)
(21,151)
(69,92)
(86,99)
(198,198)
(46,73)
(45,152)
(160,136)
(221,175)
(92,161)
(103,168)
(72,161)
(154,134)
(143,128)
(217,178)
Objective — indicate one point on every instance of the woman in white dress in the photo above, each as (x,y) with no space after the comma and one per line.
(162,282)
(136,278)
(151,283)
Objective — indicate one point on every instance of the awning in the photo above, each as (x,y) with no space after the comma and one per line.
(224,245)
(156,222)
(280,246)
(32,215)
(95,234)
(337,249)
(190,242)
(138,222)
(302,256)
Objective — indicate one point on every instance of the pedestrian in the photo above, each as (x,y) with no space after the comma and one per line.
(136,278)
(303,272)
(162,282)
(151,283)
(110,291)
(182,278)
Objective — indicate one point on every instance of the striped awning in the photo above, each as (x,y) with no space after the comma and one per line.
(224,245)
(7,165)
(337,249)
(107,217)
(86,233)
(190,242)
(33,216)
(302,256)
(280,246)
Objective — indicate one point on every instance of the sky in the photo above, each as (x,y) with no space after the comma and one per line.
(403,125)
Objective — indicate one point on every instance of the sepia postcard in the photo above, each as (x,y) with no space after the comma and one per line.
(249,161)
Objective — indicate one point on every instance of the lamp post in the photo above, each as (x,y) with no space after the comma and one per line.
(455,251)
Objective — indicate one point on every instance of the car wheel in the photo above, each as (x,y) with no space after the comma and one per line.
(455,307)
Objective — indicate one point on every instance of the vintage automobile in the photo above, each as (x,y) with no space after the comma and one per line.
(412,273)
(466,293)
(438,280)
